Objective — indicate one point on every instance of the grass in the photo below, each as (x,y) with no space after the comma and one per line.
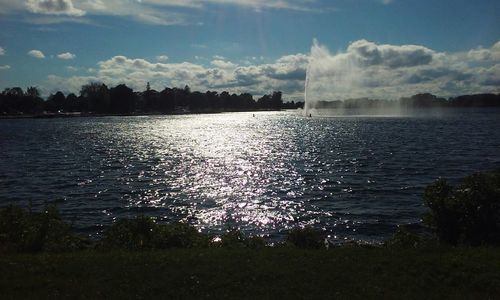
(287,273)
(139,258)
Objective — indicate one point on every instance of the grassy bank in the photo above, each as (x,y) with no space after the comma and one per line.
(287,273)
(40,257)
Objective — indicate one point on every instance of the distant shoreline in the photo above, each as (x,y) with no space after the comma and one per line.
(145,114)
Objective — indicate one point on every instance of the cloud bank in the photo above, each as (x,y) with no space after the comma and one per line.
(364,69)
(381,71)
(286,74)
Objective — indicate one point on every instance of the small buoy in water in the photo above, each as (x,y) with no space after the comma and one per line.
(310,115)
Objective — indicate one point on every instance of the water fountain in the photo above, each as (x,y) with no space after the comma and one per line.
(307,101)
(364,79)
(333,78)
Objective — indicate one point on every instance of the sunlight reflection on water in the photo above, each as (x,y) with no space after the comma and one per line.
(356,177)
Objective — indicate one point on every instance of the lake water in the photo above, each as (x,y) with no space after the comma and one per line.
(357,177)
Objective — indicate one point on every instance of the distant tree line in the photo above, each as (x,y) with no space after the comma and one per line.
(429,100)
(97,98)
(121,99)
(424,100)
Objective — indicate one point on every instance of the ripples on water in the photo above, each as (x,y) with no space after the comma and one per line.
(356,177)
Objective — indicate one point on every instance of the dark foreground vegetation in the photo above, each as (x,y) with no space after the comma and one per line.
(270,273)
(40,257)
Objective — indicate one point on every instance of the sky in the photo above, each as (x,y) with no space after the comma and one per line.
(397,47)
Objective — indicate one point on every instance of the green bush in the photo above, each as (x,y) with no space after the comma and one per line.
(256,242)
(405,238)
(234,238)
(143,233)
(468,214)
(180,235)
(307,238)
(22,230)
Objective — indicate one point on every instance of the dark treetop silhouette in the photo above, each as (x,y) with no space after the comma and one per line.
(98,98)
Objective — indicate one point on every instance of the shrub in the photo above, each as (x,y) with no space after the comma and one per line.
(256,242)
(236,239)
(22,230)
(179,235)
(143,233)
(405,238)
(233,239)
(308,238)
(468,214)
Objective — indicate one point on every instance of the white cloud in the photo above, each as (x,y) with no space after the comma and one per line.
(66,56)
(225,76)
(54,7)
(2,51)
(367,53)
(36,54)
(72,68)
(71,84)
(219,57)
(43,20)
(301,5)
(481,54)
(162,58)
(73,10)
(155,12)
(5,67)
(223,64)
(157,18)
(140,11)
(364,69)
(367,69)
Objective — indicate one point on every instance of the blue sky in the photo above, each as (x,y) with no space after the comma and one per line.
(239,45)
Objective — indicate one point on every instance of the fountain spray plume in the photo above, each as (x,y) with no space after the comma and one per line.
(327,76)
(318,53)
(366,78)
